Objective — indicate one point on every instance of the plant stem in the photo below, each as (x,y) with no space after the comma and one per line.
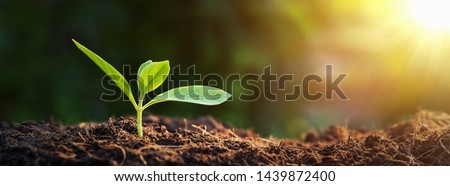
(139,110)
(139,122)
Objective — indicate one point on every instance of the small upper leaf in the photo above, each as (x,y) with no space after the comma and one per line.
(198,94)
(115,75)
(151,75)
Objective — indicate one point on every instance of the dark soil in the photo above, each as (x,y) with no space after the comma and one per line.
(424,140)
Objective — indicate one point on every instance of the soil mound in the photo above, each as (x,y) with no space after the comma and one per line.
(424,140)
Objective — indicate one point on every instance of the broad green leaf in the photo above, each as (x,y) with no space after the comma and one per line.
(143,66)
(115,75)
(198,94)
(151,75)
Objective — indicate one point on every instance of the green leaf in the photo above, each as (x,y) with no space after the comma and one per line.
(151,75)
(198,94)
(115,75)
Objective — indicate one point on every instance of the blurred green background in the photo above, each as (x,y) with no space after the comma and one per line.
(395,64)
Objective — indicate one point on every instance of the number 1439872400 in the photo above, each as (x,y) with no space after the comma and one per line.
(296,176)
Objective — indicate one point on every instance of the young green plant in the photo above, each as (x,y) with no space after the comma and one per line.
(150,76)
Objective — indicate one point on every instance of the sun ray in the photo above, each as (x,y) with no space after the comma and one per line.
(433,14)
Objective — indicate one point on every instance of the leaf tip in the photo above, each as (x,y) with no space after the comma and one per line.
(227,95)
(165,61)
(80,46)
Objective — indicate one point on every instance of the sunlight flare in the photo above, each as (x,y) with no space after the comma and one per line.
(433,14)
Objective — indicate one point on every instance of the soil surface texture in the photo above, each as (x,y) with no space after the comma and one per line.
(424,140)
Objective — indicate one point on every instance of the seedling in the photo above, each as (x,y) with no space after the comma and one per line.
(150,76)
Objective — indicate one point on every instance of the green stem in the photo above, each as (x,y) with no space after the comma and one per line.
(139,110)
(139,122)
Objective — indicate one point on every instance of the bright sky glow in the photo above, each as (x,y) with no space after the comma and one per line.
(433,14)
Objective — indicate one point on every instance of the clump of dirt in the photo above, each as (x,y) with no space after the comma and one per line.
(424,140)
